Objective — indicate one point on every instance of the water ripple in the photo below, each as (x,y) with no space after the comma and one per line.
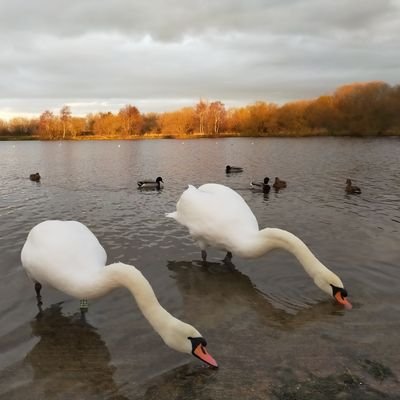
(95,182)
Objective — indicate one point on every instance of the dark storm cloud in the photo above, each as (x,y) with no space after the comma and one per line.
(161,54)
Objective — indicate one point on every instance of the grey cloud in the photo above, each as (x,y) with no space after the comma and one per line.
(98,53)
(174,19)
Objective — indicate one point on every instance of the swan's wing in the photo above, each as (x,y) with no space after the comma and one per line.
(173,215)
(214,213)
(61,251)
(218,190)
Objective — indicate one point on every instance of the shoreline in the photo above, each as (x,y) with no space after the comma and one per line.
(193,136)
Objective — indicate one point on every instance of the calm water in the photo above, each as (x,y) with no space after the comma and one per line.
(273,332)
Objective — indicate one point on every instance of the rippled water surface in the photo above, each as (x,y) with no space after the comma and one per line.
(273,332)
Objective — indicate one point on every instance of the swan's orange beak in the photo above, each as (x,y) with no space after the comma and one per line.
(201,352)
(343,300)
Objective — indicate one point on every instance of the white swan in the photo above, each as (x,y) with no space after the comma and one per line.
(219,217)
(68,256)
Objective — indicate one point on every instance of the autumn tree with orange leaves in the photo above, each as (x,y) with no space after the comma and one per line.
(178,122)
(48,128)
(131,121)
(370,108)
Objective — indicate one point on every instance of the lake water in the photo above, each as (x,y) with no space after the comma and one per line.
(273,332)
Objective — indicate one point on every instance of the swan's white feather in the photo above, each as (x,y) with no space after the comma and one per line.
(213,213)
(65,255)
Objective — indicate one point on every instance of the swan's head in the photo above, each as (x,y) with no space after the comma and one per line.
(331,284)
(266,180)
(186,339)
(159,179)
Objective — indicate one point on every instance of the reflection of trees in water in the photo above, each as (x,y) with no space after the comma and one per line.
(218,292)
(71,360)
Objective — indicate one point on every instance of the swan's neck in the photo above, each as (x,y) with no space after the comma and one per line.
(272,238)
(119,274)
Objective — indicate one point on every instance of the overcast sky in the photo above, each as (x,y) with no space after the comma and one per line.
(160,55)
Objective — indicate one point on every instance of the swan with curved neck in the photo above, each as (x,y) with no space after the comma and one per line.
(217,216)
(68,256)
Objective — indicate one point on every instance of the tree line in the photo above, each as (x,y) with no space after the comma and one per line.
(371,108)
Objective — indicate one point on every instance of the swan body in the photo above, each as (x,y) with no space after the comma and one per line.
(350,189)
(68,256)
(157,184)
(217,216)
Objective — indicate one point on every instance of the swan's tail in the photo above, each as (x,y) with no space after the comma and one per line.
(173,215)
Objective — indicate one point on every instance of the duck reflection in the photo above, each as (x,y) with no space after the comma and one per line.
(70,358)
(218,292)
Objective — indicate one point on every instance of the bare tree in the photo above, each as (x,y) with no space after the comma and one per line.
(201,111)
(65,117)
(217,113)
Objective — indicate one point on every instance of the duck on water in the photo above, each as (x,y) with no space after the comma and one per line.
(149,184)
(231,169)
(35,177)
(351,189)
(261,186)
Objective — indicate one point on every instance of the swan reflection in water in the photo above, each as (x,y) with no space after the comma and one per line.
(219,292)
(70,359)
(220,298)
